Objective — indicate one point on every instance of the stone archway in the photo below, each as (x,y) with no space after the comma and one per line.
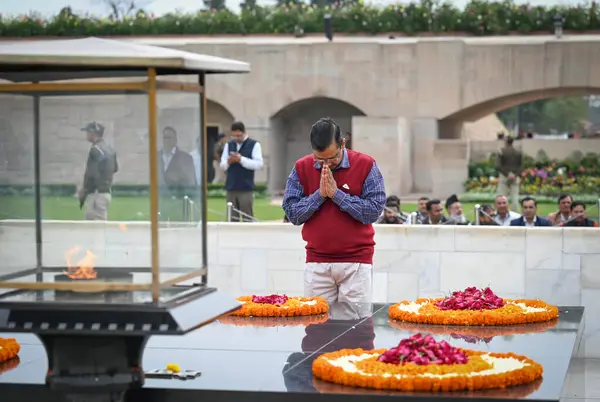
(451,127)
(289,134)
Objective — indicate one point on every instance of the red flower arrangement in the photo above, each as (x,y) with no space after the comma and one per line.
(280,306)
(445,368)
(473,307)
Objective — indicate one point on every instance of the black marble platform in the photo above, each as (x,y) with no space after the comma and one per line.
(273,363)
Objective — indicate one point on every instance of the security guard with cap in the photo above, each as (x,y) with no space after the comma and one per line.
(100,169)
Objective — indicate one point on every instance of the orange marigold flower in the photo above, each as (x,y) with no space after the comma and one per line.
(360,368)
(478,332)
(274,321)
(9,349)
(514,312)
(293,306)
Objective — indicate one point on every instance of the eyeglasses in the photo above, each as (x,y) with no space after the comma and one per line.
(328,160)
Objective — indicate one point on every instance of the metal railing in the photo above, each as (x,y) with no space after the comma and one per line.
(398,215)
(478,212)
(188,209)
(231,210)
(597,206)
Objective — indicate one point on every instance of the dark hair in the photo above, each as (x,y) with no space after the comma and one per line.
(392,204)
(510,140)
(525,199)
(238,126)
(424,199)
(562,197)
(323,133)
(431,203)
(393,198)
(576,204)
(169,128)
(483,209)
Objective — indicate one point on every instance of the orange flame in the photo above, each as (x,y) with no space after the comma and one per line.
(82,269)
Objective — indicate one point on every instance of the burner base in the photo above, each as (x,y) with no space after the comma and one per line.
(94,368)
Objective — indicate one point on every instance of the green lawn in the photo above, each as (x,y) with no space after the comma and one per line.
(121,208)
(136,208)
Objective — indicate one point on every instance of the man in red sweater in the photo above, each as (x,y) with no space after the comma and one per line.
(337,194)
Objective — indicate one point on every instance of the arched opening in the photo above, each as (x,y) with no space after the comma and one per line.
(451,127)
(290,128)
(184,117)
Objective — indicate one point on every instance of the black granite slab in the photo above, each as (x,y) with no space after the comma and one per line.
(256,363)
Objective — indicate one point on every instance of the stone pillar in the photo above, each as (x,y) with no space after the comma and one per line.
(278,152)
(424,133)
(258,128)
(388,140)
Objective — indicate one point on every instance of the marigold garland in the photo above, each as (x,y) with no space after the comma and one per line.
(9,349)
(9,365)
(509,314)
(294,306)
(485,332)
(369,373)
(520,391)
(274,321)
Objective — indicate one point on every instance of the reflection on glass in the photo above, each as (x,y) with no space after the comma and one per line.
(179,173)
(326,338)
(17,200)
(94,176)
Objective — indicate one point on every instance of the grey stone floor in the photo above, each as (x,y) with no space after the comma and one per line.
(583,381)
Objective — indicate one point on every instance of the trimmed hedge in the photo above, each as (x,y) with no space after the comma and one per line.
(351,17)
(68,190)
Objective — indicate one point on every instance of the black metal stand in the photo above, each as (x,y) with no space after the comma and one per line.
(94,368)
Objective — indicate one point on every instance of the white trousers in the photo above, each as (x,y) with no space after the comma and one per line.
(339,281)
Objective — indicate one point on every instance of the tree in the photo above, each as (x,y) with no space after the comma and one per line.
(248,4)
(288,2)
(215,4)
(548,115)
(119,9)
(564,114)
(322,3)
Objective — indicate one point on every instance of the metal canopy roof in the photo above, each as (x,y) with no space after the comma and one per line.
(50,60)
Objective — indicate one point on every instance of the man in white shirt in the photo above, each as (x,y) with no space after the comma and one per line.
(503,215)
(241,157)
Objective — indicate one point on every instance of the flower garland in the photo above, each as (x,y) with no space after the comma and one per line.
(484,333)
(520,311)
(274,321)
(280,306)
(9,365)
(9,349)
(520,391)
(444,368)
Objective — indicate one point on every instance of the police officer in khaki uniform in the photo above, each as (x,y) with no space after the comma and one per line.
(100,169)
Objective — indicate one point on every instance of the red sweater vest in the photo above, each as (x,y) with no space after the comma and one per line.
(332,235)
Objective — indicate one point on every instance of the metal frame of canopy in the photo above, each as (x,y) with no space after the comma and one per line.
(44,63)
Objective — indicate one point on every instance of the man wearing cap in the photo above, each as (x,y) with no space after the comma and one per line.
(455,211)
(97,180)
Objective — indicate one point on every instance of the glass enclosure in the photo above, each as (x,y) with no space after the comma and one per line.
(101,189)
